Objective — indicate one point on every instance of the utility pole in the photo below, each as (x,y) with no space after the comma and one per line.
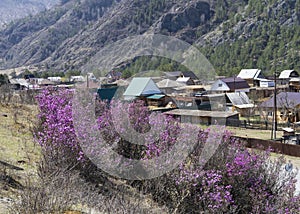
(234,83)
(275,104)
(87,81)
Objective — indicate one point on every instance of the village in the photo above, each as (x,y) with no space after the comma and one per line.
(244,100)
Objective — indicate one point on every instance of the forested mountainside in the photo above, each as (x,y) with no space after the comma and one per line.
(11,10)
(233,34)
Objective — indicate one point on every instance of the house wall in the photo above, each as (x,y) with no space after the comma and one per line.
(281,117)
(244,112)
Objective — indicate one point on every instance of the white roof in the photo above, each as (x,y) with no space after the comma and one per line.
(183,79)
(264,80)
(249,73)
(243,106)
(295,79)
(288,129)
(285,74)
(22,82)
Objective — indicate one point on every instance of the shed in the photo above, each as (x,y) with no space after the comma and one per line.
(157,100)
(239,102)
(240,98)
(205,117)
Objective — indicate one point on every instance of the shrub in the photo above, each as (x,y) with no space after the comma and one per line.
(234,180)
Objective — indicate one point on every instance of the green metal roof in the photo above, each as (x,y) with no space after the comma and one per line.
(141,86)
(156,96)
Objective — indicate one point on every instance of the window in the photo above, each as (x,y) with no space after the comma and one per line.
(270,113)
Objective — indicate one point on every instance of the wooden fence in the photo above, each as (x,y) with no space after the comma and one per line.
(278,147)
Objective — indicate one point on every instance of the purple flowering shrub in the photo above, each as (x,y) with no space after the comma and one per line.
(234,180)
(55,131)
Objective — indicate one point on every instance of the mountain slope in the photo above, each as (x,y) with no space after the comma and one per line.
(14,9)
(231,33)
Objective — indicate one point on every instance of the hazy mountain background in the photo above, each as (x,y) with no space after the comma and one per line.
(15,9)
(233,34)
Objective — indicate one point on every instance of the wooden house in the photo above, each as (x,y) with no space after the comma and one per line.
(251,76)
(286,75)
(288,107)
(231,84)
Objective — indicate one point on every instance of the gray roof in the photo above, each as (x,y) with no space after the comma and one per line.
(21,82)
(250,74)
(173,73)
(230,83)
(167,83)
(284,100)
(141,86)
(201,113)
(240,98)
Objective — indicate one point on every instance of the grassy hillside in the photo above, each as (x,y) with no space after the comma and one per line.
(18,154)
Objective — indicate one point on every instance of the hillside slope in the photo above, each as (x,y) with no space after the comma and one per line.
(11,10)
(231,33)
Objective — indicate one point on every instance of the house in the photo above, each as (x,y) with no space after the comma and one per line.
(157,100)
(201,102)
(168,86)
(191,75)
(239,102)
(141,87)
(294,84)
(55,79)
(107,91)
(91,76)
(231,84)
(77,79)
(286,75)
(195,90)
(185,80)
(288,107)
(19,84)
(265,83)
(174,75)
(45,82)
(251,76)
(113,75)
(205,117)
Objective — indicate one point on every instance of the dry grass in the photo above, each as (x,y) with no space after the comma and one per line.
(16,146)
(253,133)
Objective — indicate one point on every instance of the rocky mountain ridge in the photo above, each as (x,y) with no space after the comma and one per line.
(67,37)
(11,10)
